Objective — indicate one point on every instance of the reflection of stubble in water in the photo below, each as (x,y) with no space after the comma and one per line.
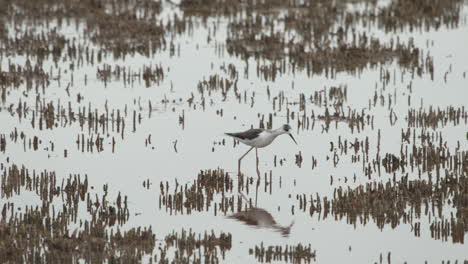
(106,106)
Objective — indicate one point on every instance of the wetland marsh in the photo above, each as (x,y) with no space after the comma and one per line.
(113,114)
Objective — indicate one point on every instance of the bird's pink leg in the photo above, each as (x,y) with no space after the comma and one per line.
(242,158)
(256,154)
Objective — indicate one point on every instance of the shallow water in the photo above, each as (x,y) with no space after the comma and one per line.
(179,150)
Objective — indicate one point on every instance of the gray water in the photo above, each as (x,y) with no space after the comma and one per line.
(198,139)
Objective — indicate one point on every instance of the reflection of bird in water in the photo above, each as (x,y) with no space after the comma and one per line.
(261,218)
(259,138)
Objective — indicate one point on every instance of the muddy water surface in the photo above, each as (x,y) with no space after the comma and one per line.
(113,115)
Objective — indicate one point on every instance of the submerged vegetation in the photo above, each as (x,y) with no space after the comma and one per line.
(99,96)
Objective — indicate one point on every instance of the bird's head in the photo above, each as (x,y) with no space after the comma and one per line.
(287,130)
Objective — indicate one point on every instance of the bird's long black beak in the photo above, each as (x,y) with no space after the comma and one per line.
(292,138)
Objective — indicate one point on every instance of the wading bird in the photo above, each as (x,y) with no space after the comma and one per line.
(259,138)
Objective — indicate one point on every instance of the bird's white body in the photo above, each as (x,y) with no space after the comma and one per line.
(259,138)
(264,139)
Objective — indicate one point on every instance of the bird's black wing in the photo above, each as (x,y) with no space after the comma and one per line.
(248,134)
